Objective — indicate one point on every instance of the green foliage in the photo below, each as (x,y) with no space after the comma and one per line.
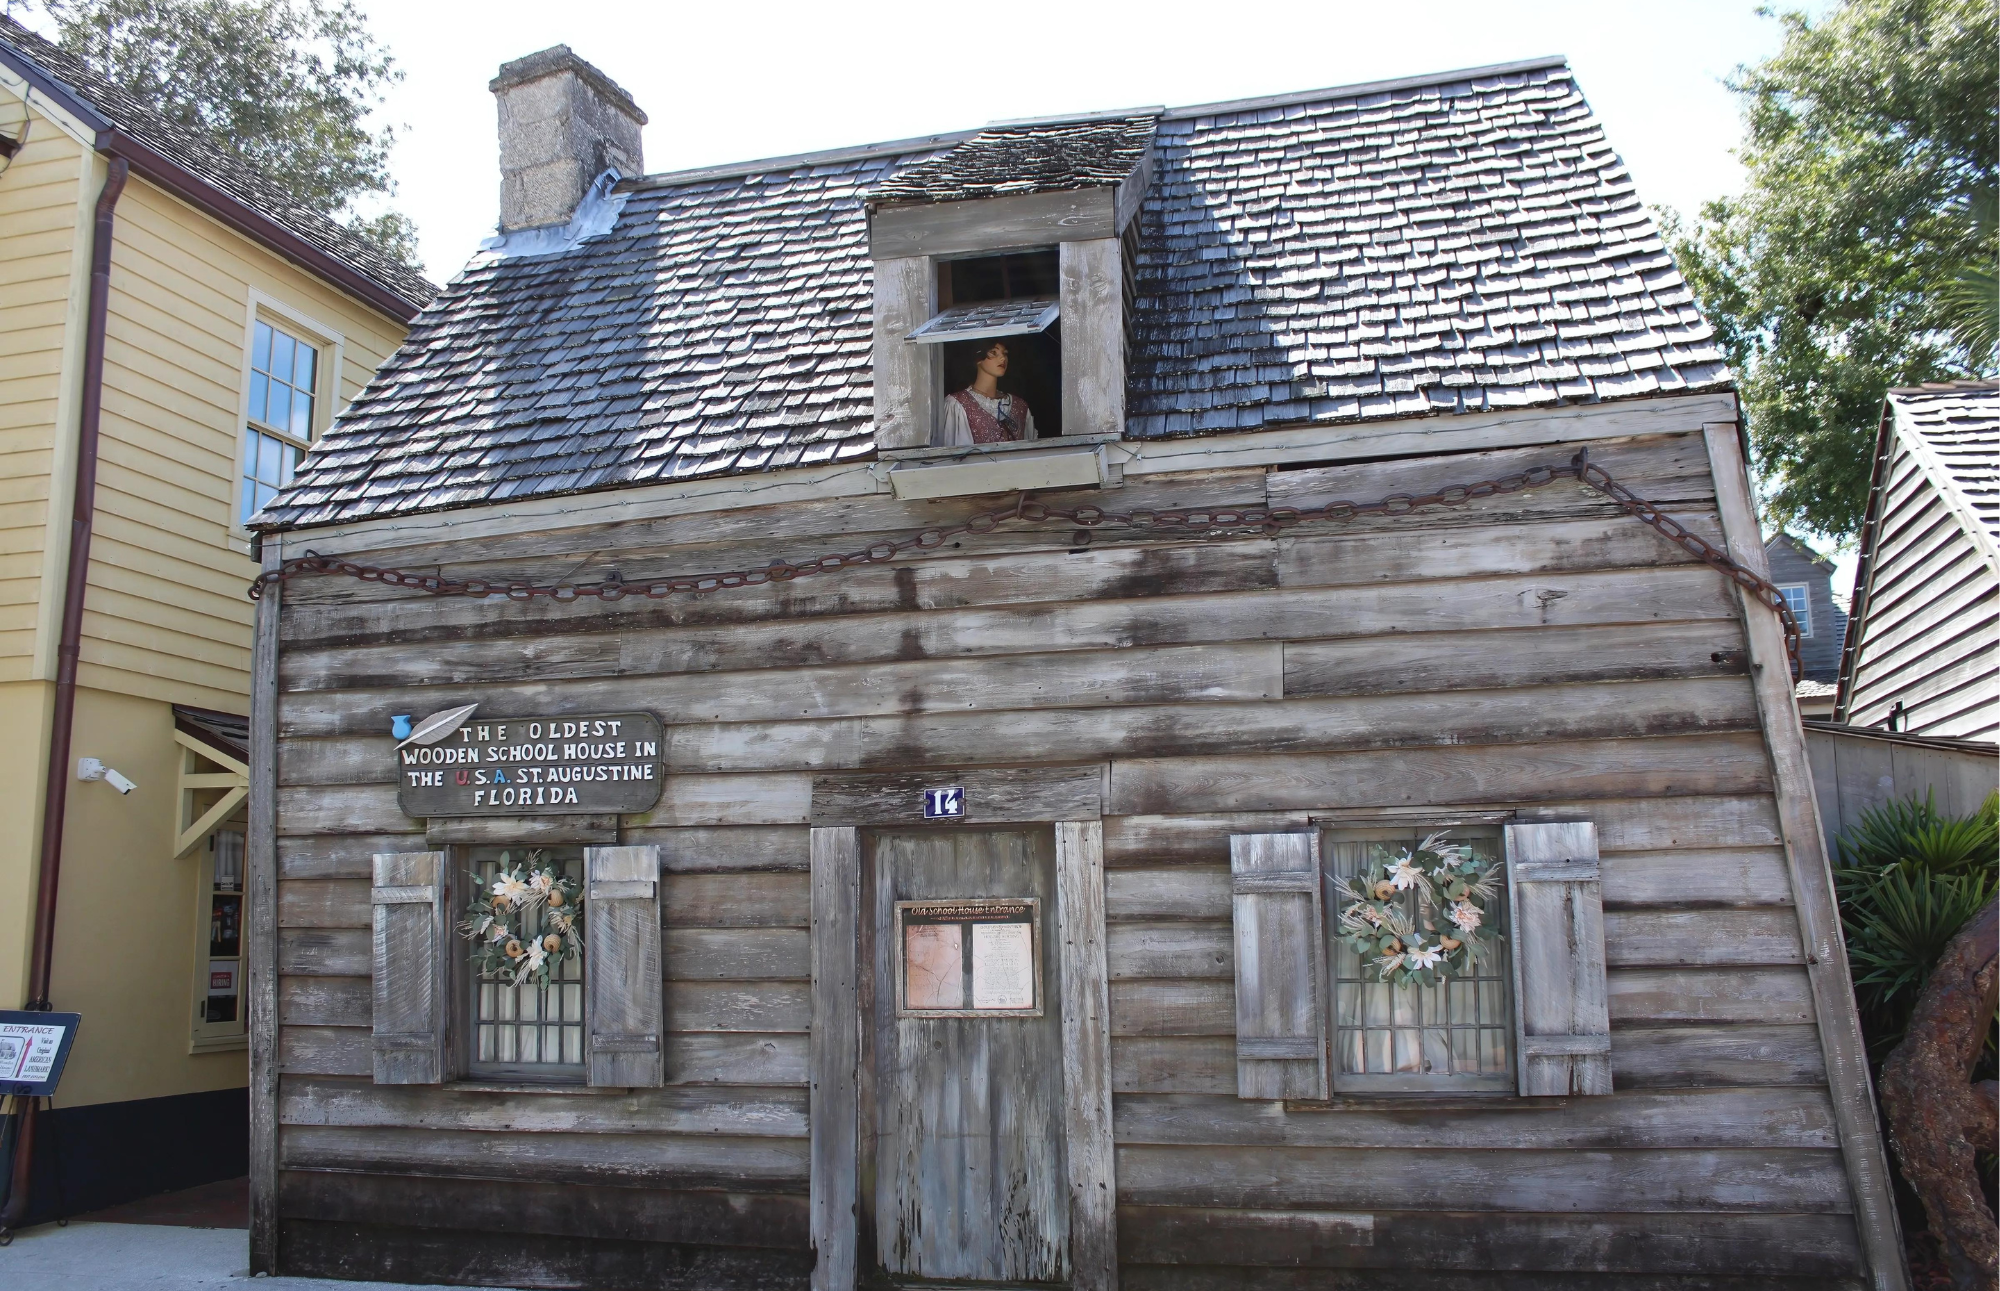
(1909,879)
(1870,146)
(287,85)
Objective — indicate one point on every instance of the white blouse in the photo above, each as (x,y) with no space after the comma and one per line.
(958,429)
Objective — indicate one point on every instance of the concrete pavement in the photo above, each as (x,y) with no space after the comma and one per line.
(89,1256)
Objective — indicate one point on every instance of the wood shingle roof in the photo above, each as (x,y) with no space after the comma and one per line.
(1462,243)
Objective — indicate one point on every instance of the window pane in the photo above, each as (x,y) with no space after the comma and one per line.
(281,354)
(247,504)
(260,348)
(1457,1028)
(529,1025)
(260,389)
(266,470)
(287,463)
(302,367)
(301,425)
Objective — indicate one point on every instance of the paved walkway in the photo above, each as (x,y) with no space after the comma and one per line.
(184,1241)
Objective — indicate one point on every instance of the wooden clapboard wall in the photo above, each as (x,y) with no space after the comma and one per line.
(1538,651)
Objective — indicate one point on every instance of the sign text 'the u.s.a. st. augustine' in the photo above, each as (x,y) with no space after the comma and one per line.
(588,763)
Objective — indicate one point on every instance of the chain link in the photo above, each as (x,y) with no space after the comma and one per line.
(1213,522)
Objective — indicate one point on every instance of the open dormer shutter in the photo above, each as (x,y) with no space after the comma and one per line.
(409,962)
(1562,1021)
(1280,1021)
(621,946)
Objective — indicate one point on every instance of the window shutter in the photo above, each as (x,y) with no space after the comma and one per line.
(411,994)
(622,972)
(1280,1024)
(1562,1021)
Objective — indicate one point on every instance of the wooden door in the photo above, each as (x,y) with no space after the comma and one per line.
(962,1147)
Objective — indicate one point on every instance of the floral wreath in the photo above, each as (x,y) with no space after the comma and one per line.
(1451,885)
(497,919)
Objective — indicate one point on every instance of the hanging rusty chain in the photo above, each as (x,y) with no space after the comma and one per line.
(1215,522)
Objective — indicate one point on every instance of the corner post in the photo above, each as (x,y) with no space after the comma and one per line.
(261,884)
(1811,881)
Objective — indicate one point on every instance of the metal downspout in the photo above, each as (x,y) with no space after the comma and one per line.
(83,513)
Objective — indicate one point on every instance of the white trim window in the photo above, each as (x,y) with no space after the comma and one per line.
(1799,598)
(286,375)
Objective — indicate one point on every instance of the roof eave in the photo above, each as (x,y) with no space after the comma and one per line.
(218,202)
(211,198)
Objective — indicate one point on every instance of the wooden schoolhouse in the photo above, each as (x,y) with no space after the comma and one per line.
(1295,783)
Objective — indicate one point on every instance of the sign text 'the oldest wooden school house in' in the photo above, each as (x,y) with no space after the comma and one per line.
(1174,698)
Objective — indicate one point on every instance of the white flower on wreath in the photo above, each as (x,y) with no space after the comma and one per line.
(541,881)
(1466,915)
(535,957)
(497,932)
(510,888)
(1405,873)
(1422,956)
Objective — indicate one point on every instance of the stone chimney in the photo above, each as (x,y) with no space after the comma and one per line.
(562,124)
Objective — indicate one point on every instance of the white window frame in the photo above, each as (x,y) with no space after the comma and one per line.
(1805,600)
(206,1036)
(330,345)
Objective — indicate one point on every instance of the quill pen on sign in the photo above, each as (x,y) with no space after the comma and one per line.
(438,725)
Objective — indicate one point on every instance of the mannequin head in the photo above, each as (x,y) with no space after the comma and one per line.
(993,363)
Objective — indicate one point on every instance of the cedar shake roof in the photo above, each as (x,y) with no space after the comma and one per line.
(1027,157)
(192,150)
(1959,423)
(1449,244)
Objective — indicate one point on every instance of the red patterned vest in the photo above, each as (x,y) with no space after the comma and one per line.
(986,428)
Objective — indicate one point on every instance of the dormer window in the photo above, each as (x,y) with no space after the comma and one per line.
(1001,347)
(1000,285)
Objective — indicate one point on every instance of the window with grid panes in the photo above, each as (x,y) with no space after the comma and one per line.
(1798,598)
(284,388)
(528,1031)
(1452,1036)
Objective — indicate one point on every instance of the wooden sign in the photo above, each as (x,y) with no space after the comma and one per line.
(592,763)
(972,958)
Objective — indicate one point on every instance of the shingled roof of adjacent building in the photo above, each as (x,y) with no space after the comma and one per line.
(192,149)
(1449,244)
(1027,157)
(1959,423)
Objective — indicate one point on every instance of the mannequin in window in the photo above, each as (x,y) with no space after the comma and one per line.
(980,413)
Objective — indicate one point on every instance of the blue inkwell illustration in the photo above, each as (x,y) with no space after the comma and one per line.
(399,727)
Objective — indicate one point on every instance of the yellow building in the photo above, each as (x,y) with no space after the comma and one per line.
(143,414)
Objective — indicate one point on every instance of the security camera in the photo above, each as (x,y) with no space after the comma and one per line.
(92,769)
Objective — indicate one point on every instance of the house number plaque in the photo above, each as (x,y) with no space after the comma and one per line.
(565,764)
(970,958)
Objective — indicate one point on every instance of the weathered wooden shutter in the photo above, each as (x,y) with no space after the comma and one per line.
(410,961)
(1562,1021)
(624,1014)
(1280,1024)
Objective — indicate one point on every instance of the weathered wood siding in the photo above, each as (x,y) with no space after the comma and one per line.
(1856,770)
(1539,651)
(1929,636)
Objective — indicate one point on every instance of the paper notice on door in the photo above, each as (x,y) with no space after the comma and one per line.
(933,966)
(1003,966)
